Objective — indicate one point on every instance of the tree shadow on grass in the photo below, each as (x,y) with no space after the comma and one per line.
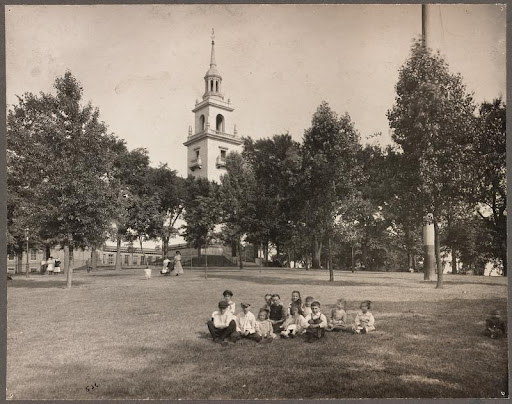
(266,280)
(457,282)
(117,274)
(53,284)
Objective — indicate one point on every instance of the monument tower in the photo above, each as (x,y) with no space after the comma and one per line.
(211,141)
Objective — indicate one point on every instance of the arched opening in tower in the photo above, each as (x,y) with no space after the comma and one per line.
(202,122)
(220,123)
(217,86)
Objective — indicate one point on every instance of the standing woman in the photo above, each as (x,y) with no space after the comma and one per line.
(178,269)
(50,265)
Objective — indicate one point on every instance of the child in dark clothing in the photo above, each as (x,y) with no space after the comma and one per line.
(495,327)
(278,313)
(268,303)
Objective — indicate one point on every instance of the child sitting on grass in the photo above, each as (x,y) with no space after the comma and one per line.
(278,313)
(268,302)
(264,326)
(228,295)
(364,321)
(296,300)
(295,324)
(246,324)
(338,318)
(317,323)
(222,325)
(495,327)
(307,305)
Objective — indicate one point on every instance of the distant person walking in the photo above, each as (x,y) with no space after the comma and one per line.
(50,265)
(178,269)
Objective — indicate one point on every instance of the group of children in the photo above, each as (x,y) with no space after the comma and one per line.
(299,318)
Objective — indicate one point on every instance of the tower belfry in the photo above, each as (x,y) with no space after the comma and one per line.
(211,140)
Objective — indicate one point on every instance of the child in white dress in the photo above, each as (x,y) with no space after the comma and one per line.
(264,326)
(364,321)
(295,324)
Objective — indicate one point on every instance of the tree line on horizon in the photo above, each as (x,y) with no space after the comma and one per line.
(327,201)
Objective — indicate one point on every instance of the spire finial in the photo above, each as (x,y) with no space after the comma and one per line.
(212,58)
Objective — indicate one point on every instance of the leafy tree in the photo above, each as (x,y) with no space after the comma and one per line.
(433,121)
(275,164)
(170,189)
(202,211)
(59,156)
(144,219)
(399,193)
(129,179)
(330,166)
(238,196)
(490,174)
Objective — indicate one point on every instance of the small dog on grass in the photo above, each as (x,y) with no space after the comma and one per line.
(495,327)
(147,273)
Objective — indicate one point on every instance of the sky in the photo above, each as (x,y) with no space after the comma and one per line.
(143,65)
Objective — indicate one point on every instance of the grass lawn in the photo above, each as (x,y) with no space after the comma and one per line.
(139,339)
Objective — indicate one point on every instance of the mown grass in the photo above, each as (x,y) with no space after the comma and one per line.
(139,339)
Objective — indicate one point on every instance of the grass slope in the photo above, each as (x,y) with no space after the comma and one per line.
(140,339)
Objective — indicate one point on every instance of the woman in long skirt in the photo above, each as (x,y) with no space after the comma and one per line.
(50,265)
(178,269)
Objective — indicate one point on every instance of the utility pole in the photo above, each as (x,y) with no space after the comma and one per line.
(424,25)
(429,258)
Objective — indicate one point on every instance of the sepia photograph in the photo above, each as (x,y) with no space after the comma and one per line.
(256,201)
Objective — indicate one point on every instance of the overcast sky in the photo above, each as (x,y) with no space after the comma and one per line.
(143,65)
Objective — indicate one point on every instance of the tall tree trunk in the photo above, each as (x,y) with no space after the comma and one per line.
(329,260)
(67,265)
(19,262)
(317,250)
(165,246)
(206,259)
(239,246)
(47,252)
(454,260)
(94,258)
(118,253)
(364,255)
(265,249)
(438,255)
(353,261)
(409,260)
(414,262)
(143,253)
